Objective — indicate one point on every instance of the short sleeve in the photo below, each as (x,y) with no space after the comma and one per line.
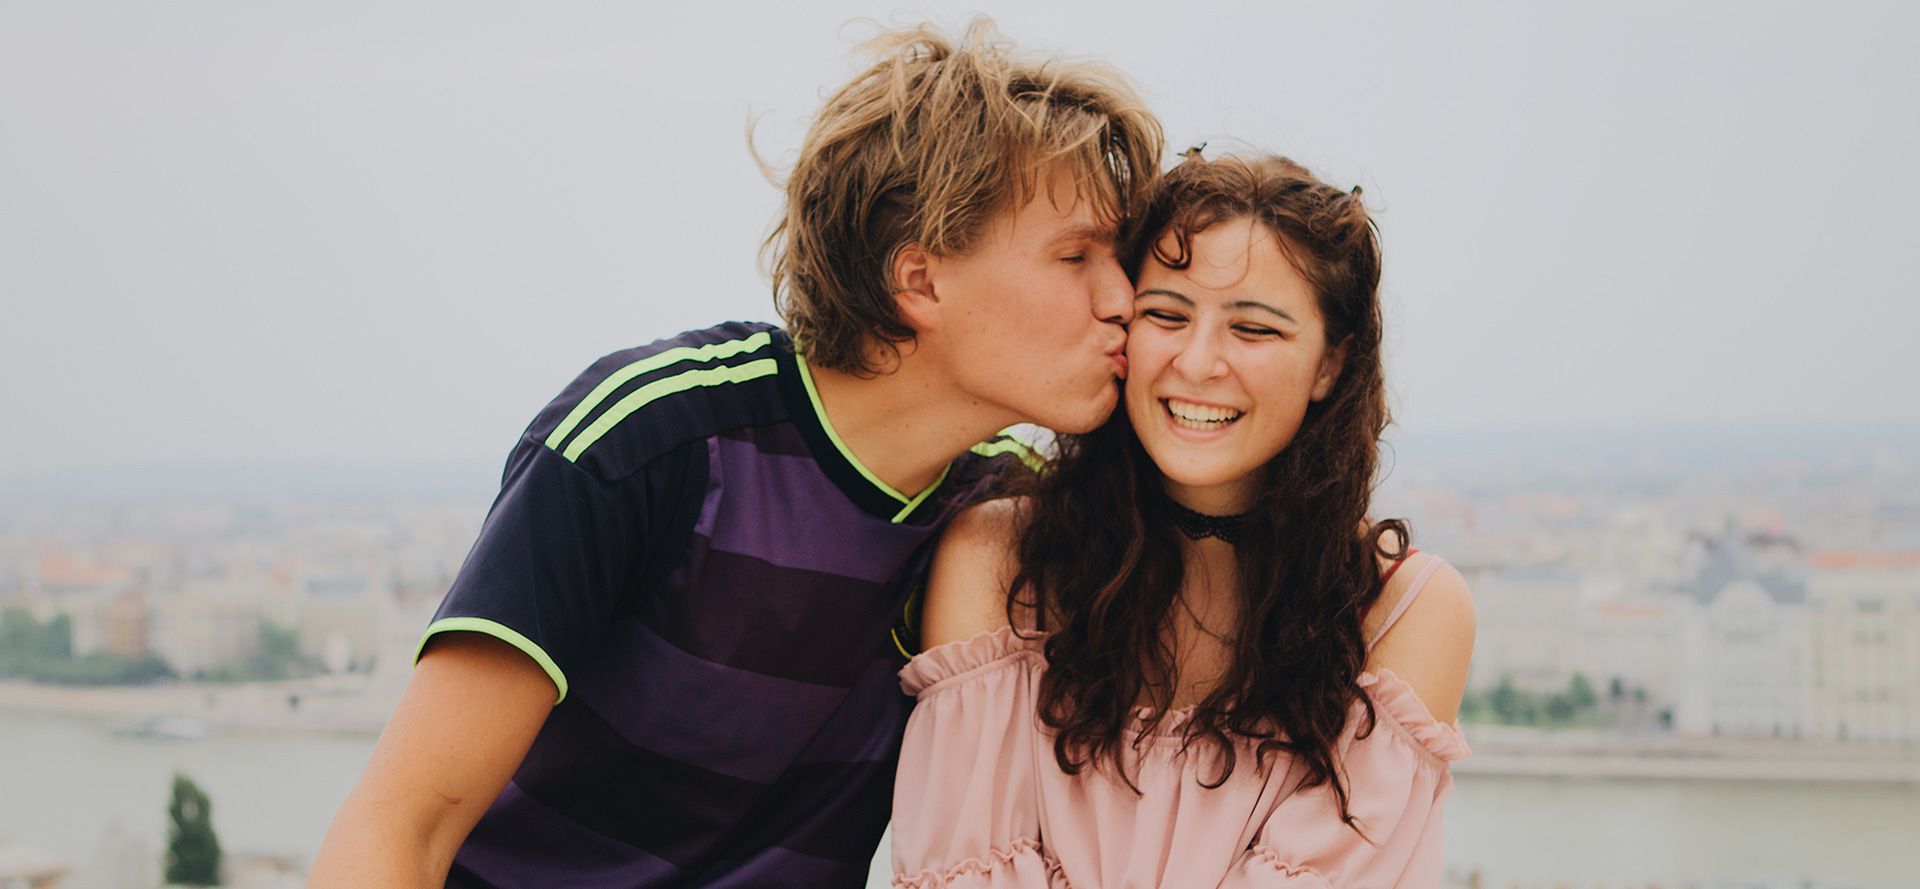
(966,812)
(1397,784)
(562,551)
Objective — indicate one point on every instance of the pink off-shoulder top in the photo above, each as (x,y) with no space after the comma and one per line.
(980,802)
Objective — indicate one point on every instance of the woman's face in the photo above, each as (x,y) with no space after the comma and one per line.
(1224,355)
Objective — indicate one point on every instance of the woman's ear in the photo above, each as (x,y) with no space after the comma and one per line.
(1330,365)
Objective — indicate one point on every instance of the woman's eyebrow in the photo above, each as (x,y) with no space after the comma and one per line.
(1254,304)
(1183,299)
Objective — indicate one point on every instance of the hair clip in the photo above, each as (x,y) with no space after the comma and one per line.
(1193,153)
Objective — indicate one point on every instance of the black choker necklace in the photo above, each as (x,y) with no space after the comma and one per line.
(1198,525)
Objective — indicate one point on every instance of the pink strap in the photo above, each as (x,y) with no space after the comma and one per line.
(1406,599)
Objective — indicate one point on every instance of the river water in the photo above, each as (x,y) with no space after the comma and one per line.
(65,783)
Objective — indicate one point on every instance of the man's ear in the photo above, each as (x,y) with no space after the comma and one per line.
(912,275)
(1330,365)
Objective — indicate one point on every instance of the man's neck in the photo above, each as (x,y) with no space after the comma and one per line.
(904,426)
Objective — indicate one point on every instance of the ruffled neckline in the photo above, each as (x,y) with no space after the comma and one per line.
(951,659)
(1394,700)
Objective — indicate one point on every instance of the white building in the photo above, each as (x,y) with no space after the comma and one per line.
(1866,646)
(1631,641)
(1526,625)
(1744,664)
(206,624)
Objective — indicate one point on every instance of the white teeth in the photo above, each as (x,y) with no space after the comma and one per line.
(1200,416)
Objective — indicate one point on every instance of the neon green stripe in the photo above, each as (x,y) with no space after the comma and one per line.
(503,633)
(1012,446)
(709,352)
(813,395)
(922,496)
(680,382)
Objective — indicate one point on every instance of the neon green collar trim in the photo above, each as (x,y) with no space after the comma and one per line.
(820,411)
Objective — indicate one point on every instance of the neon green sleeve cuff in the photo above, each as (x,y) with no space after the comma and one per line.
(503,633)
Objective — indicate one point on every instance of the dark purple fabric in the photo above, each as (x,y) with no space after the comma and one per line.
(781,509)
(717,583)
(747,613)
(752,725)
(521,843)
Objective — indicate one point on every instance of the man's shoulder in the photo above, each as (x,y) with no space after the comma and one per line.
(634,405)
(1004,465)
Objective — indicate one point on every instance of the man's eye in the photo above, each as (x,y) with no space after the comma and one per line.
(1075,259)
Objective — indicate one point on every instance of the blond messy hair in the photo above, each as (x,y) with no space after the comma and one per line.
(925,147)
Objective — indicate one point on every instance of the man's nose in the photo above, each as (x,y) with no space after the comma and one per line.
(1113,294)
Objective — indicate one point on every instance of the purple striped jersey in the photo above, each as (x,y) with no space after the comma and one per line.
(710,578)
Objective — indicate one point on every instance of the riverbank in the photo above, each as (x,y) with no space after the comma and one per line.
(1571,753)
(351,705)
(358,706)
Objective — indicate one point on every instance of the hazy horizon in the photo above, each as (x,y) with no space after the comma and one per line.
(236,233)
(1547,455)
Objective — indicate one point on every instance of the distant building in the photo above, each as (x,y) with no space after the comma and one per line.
(206,624)
(1866,645)
(339,620)
(1628,643)
(1526,625)
(1744,667)
(24,868)
(113,623)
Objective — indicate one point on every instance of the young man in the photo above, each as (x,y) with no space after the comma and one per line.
(667,659)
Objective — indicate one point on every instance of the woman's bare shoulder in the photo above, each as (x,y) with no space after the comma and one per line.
(973,568)
(1431,644)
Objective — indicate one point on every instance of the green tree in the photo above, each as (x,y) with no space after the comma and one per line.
(193,852)
(26,644)
(1580,692)
(17,629)
(1470,707)
(1561,707)
(56,638)
(1508,704)
(280,656)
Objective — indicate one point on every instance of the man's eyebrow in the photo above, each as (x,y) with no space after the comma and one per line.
(1099,234)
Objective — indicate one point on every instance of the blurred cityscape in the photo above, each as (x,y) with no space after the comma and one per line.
(1726,618)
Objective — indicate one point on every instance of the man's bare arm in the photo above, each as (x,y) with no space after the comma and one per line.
(469,714)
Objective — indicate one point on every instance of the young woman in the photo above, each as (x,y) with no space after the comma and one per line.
(1188,657)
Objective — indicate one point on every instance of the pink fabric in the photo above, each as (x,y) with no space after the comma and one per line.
(980,802)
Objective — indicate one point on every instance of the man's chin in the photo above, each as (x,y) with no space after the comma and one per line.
(1100,407)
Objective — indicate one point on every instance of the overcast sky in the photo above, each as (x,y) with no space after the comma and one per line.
(379,230)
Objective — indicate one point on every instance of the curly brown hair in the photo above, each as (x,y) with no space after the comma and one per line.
(925,147)
(1101,564)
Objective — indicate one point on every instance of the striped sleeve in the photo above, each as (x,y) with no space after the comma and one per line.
(562,552)
(601,493)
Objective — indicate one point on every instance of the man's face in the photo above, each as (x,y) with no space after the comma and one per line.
(1033,318)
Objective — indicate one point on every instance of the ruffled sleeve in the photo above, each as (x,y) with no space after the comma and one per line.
(1397,785)
(965,804)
